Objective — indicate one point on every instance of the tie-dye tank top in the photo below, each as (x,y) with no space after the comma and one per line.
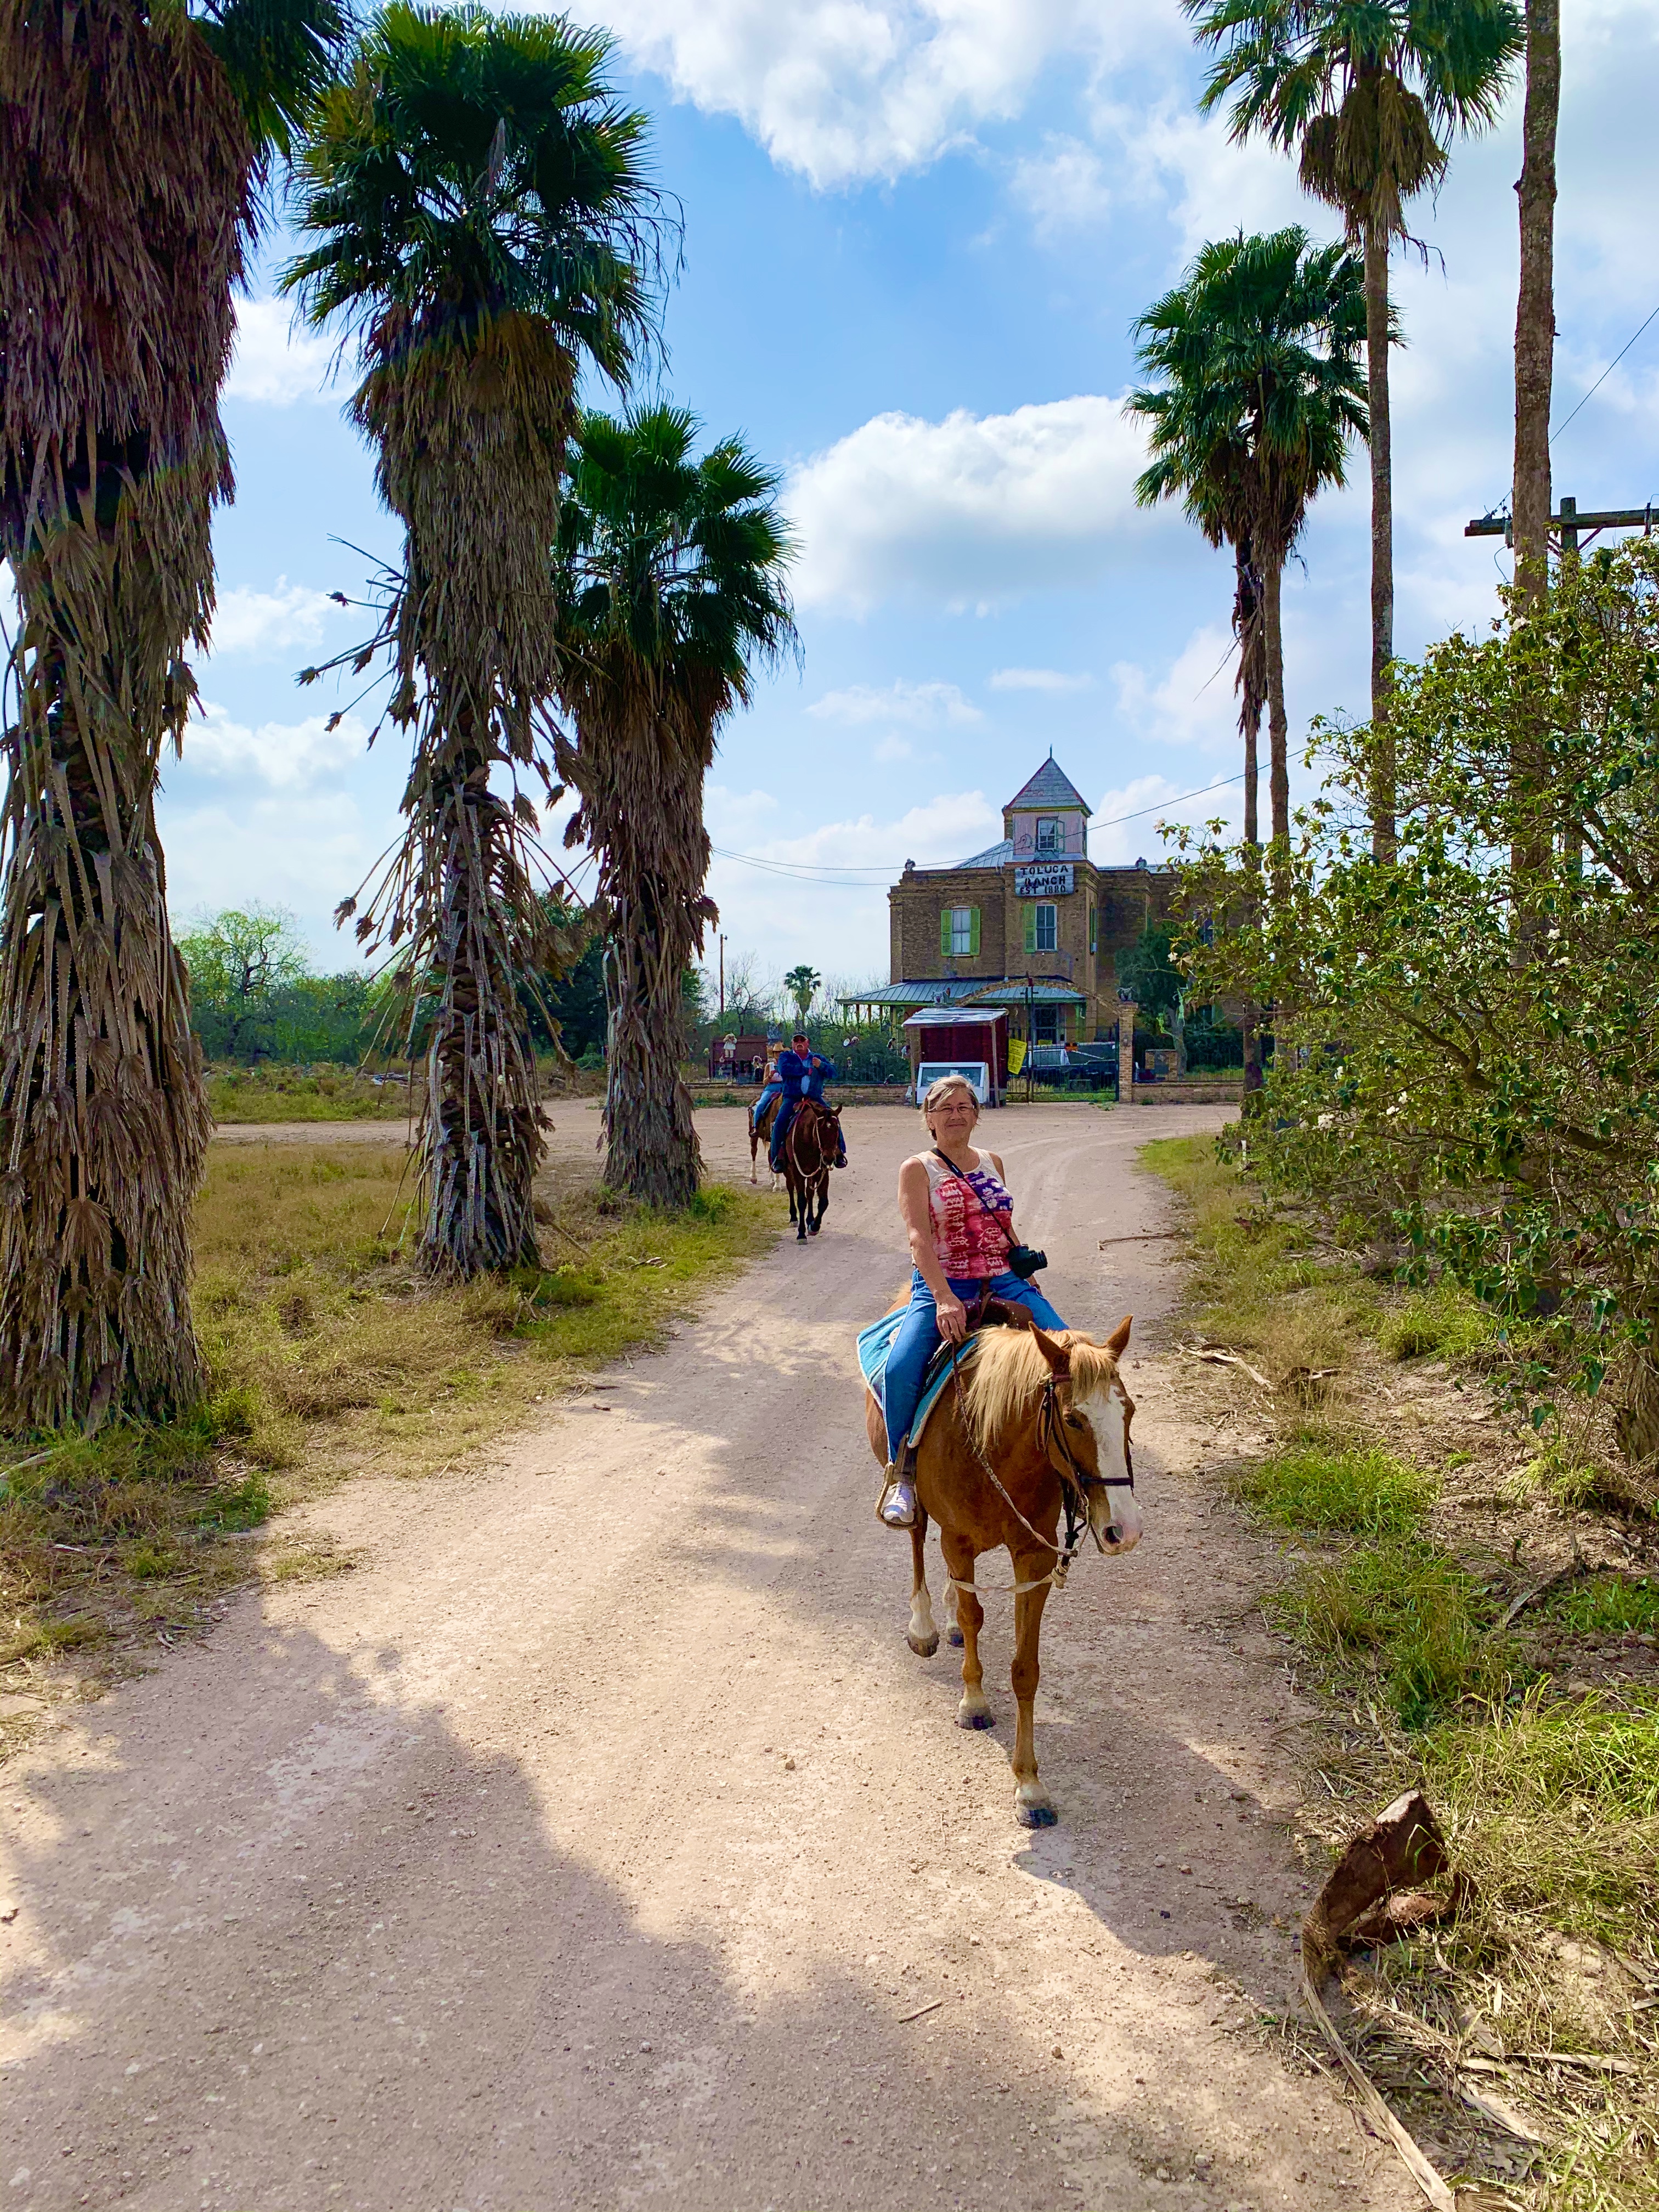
(971,1245)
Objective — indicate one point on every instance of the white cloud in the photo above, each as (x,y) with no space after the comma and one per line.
(843,90)
(1038,680)
(290,850)
(1062,188)
(286,756)
(1125,823)
(918,706)
(971,512)
(839,924)
(1192,704)
(276,362)
(264,622)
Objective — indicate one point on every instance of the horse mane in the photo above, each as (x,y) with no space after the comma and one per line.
(1004,1379)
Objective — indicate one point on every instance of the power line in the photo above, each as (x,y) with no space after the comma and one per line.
(1603,377)
(874,873)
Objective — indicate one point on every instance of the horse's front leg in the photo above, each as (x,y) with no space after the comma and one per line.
(973,1712)
(921,1636)
(799,1205)
(754,1154)
(1033,1807)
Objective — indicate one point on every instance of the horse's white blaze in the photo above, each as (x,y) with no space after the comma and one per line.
(1114,1508)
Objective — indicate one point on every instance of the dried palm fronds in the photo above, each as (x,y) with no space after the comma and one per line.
(124,162)
(474,206)
(468,426)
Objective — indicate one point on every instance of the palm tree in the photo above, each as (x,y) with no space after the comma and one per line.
(1257,350)
(480,220)
(134,145)
(671,589)
(800,983)
(1370,90)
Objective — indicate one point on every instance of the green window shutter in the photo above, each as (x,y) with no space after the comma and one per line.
(973,934)
(1031,928)
(945,931)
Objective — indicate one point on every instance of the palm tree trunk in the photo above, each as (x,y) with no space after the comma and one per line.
(1535,367)
(1252,689)
(1247,625)
(644,816)
(104,1123)
(1381,458)
(480,1130)
(1279,728)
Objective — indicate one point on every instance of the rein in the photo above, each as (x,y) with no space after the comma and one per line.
(822,1126)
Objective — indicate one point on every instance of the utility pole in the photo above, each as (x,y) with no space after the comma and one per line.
(722,979)
(1567,528)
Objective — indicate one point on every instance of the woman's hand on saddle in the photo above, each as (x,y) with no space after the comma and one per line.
(952,1318)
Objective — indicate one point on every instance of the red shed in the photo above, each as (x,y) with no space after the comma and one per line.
(943,1037)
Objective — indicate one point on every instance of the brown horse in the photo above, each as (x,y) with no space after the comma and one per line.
(1033,1422)
(811,1144)
(759,1135)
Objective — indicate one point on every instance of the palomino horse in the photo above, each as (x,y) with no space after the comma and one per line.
(810,1146)
(1033,1422)
(759,1136)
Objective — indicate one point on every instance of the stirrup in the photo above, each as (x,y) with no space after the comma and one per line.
(897,1508)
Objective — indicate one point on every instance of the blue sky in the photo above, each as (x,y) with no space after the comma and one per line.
(916,234)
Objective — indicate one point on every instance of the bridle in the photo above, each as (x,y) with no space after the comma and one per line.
(823,1127)
(1075,1481)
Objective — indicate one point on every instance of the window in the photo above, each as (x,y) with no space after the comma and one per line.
(1050,1023)
(1041,927)
(1051,834)
(1094,927)
(958,931)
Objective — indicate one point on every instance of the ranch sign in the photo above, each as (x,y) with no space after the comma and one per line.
(1044,879)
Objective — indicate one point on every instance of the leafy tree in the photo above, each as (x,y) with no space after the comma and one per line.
(238,962)
(671,581)
(1497,1116)
(478,218)
(802,983)
(133,144)
(1369,91)
(1256,351)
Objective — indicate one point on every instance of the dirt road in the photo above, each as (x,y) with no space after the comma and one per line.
(598,1841)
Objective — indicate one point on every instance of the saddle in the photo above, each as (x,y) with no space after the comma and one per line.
(986,1313)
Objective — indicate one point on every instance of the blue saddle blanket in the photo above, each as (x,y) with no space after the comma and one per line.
(876,1341)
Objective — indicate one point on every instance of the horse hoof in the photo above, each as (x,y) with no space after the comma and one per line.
(813,1231)
(953,1637)
(972,1714)
(1034,1807)
(923,1646)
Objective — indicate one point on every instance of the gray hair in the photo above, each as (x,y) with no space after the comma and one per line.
(940,1089)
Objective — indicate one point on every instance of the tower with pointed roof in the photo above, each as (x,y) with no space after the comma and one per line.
(1030,923)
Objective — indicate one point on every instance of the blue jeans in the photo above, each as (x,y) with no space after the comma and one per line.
(918,1339)
(770,1092)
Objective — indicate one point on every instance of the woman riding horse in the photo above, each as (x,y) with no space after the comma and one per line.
(960,1218)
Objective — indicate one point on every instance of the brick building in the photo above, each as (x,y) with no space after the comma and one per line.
(1030,923)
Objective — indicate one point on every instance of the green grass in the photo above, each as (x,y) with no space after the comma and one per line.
(1363,1491)
(329,1354)
(1445,1321)
(1403,1614)
(1606,1605)
(271,1093)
